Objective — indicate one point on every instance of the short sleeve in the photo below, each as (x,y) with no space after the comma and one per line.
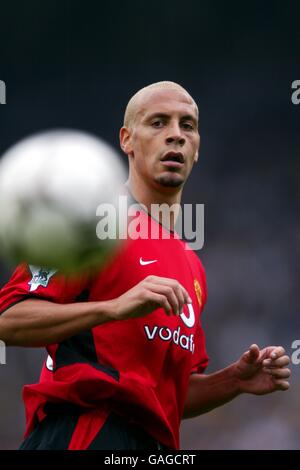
(37,282)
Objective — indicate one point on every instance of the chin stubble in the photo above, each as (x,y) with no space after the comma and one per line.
(169,182)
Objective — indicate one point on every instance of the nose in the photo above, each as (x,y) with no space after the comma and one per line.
(175,134)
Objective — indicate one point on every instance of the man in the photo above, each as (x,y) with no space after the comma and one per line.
(126,347)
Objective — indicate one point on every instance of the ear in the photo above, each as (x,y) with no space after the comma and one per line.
(197,153)
(125,140)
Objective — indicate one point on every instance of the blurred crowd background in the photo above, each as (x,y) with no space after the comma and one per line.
(76,64)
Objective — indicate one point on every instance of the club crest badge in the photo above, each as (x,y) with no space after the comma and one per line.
(198,291)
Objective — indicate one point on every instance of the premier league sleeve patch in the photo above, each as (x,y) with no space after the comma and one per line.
(40,277)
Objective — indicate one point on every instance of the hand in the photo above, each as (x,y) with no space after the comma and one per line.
(151,293)
(263,371)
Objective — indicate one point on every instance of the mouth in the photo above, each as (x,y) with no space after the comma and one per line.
(173,159)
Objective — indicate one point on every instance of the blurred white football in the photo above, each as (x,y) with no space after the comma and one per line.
(51,185)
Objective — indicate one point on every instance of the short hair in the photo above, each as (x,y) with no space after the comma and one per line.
(132,103)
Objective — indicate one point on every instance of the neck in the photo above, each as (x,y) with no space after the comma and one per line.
(150,196)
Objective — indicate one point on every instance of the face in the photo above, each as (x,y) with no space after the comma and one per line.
(163,141)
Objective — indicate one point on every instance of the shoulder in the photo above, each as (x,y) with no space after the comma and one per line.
(193,257)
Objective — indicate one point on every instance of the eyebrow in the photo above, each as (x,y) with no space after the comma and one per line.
(186,117)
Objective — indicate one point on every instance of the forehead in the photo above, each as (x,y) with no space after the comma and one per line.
(168,101)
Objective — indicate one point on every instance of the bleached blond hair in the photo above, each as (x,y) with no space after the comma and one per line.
(132,105)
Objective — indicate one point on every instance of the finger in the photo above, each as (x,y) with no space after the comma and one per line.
(252,354)
(186,298)
(180,297)
(182,292)
(282,384)
(279,373)
(178,291)
(281,362)
(171,282)
(168,284)
(161,301)
(277,352)
(168,293)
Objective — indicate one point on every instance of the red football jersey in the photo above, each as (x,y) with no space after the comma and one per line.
(139,368)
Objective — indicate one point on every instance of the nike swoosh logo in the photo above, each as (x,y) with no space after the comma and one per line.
(144,263)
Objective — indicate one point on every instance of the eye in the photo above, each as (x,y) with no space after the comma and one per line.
(188,126)
(157,123)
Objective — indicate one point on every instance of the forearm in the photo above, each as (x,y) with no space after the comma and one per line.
(207,392)
(36,322)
